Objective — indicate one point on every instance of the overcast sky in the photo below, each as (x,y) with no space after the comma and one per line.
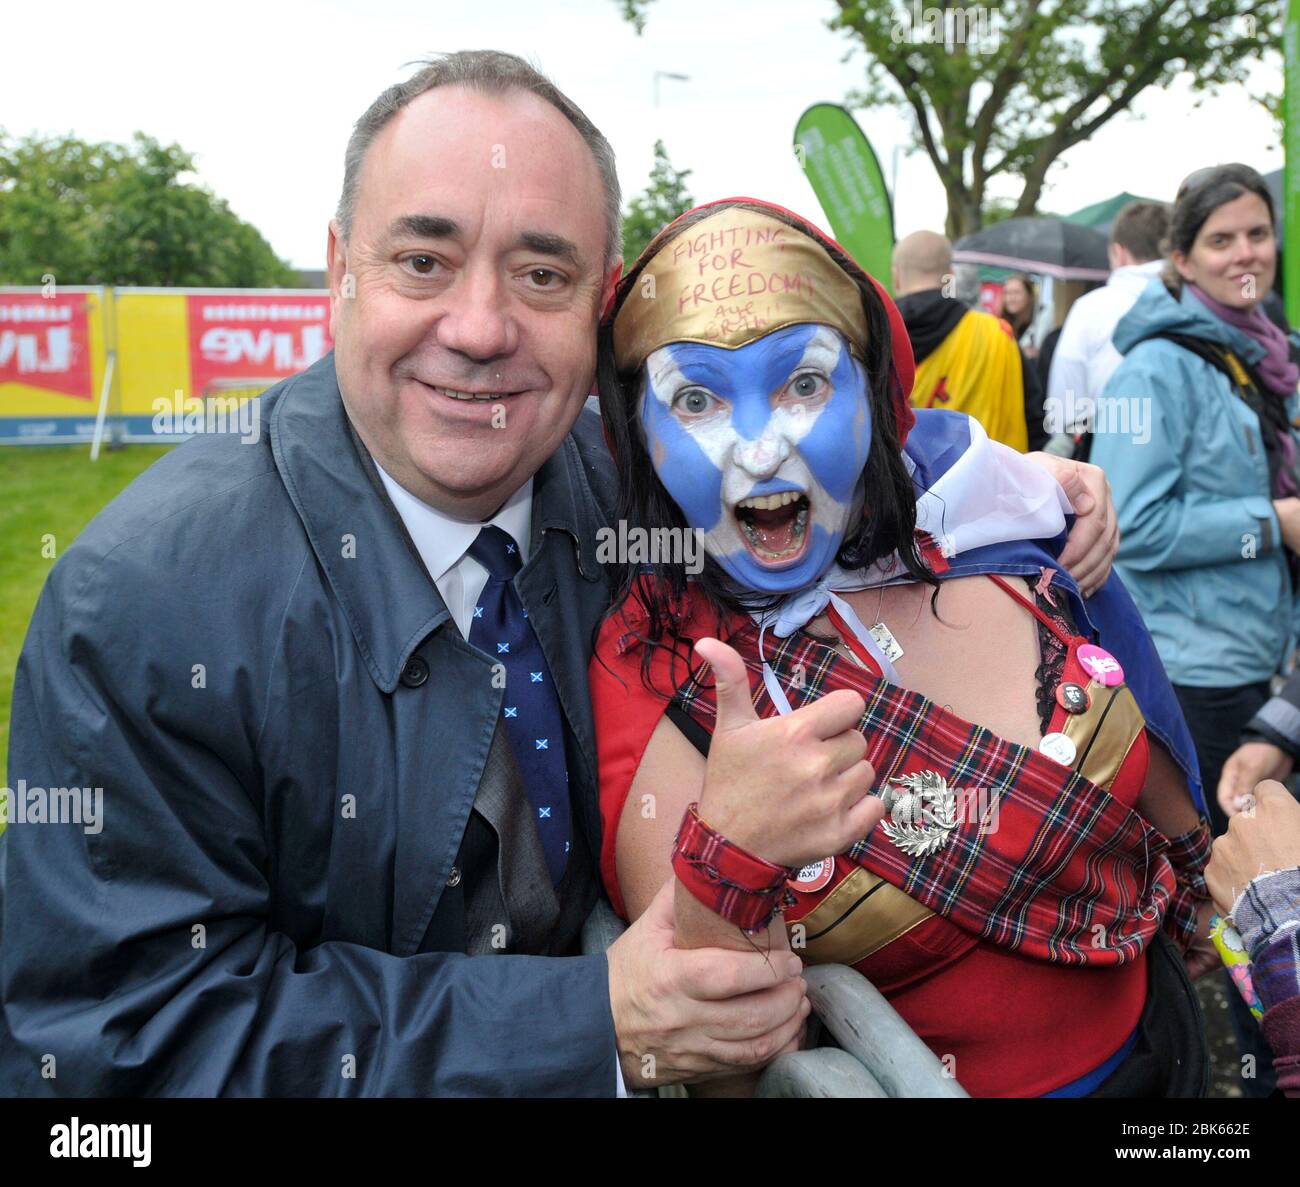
(264,94)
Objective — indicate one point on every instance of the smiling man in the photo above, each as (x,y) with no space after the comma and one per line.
(350,811)
(349,800)
(478,258)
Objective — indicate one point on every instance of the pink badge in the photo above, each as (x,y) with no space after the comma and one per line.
(1103,667)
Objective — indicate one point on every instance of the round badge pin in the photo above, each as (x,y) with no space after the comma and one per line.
(1103,667)
(814,876)
(1058,748)
(1073,698)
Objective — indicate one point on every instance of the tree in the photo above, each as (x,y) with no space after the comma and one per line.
(998,210)
(1006,89)
(120,214)
(654,208)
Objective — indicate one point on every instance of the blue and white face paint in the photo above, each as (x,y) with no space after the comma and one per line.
(762,447)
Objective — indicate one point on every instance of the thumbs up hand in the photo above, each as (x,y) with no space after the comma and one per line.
(790,789)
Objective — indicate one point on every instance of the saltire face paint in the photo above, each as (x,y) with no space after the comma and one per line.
(762,447)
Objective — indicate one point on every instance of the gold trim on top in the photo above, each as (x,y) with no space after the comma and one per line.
(1115,713)
(859,917)
(732,278)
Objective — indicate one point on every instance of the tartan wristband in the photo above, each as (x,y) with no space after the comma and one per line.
(1182,915)
(744,889)
(1189,854)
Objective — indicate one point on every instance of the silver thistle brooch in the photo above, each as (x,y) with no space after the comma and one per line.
(922,812)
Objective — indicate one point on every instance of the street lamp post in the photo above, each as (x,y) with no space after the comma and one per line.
(668,74)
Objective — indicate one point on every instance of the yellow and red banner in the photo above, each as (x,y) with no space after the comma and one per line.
(51,361)
(168,347)
(251,336)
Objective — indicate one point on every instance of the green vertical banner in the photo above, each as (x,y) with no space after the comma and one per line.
(1291,166)
(846,177)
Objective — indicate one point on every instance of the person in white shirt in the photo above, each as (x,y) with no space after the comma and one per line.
(1085,356)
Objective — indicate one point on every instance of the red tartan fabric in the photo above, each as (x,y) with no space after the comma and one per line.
(1016,1025)
(742,888)
(1189,854)
(1069,874)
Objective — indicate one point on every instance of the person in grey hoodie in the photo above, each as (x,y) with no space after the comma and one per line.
(1254,877)
(1269,748)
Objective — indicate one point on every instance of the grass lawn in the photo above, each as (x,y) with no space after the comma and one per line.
(47,492)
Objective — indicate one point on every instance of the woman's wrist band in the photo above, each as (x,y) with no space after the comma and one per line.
(1189,854)
(744,889)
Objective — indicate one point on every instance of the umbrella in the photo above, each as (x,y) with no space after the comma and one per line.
(1049,246)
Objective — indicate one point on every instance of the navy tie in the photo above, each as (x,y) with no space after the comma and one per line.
(531,709)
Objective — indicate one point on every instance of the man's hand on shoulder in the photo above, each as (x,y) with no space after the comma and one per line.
(1093,542)
(697,1014)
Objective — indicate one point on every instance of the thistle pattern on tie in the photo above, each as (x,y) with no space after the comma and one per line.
(531,708)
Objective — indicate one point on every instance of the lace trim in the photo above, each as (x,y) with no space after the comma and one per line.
(1048,673)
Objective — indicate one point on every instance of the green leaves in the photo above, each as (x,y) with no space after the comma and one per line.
(654,208)
(121,214)
(1004,88)
(1007,88)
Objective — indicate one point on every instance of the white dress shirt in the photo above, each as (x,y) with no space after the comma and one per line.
(1085,356)
(443,544)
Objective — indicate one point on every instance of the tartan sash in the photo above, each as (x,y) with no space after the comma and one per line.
(1054,867)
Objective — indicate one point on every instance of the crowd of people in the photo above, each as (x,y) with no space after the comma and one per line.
(1180,382)
(903,717)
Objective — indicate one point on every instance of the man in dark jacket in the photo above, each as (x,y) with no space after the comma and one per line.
(324,694)
(326,862)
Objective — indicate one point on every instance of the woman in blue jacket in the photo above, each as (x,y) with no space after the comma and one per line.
(1193,430)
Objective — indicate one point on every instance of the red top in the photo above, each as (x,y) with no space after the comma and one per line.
(1015,1025)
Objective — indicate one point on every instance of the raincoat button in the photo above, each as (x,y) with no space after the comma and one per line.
(415,673)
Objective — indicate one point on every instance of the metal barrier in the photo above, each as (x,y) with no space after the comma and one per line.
(878,1054)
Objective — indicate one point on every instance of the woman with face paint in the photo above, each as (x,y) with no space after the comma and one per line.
(879,725)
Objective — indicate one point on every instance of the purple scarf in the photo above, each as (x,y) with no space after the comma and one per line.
(1276,368)
(1277,372)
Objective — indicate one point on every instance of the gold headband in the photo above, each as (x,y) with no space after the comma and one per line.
(732,278)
